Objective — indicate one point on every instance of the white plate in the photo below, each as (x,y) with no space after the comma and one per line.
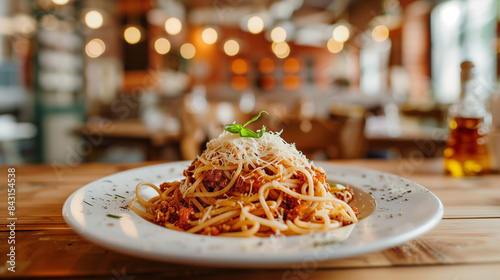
(393,210)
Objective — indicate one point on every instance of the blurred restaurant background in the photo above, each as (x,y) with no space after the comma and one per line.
(135,80)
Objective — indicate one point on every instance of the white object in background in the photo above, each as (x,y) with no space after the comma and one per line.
(225,113)
(247,101)
(10,132)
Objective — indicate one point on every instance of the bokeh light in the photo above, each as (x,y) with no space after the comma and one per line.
(209,35)
(266,65)
(239,83)
(291,65)
(94,19)
(173,26)
(132,35)
(162,45)
(281,49)
(231,47)
(334,46)
(278,34)
(95,48)
(188,50)
(380,33)
(255,24)
(60,2)
(341,33)
(291,82)
(239,66)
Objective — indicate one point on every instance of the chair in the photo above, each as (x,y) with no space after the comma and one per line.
(326,138)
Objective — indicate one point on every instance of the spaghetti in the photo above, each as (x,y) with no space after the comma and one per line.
(242,187)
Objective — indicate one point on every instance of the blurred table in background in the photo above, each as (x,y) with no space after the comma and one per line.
(11,132)
(101,134)
(404,137)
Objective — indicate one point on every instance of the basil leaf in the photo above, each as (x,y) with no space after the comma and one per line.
(261,131)
(245,132)
(255,118)
(233,128)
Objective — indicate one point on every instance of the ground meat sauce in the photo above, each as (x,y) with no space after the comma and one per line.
(215,178)
(166,185)
(339,194)
(293,207)
(175,213)
(248,185)
(298,211)
(189,172)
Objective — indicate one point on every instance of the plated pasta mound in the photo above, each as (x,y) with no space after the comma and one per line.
(249,186)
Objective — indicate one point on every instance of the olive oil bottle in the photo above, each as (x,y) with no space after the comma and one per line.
(466,152)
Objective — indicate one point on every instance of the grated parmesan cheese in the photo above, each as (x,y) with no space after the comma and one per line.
(270,149)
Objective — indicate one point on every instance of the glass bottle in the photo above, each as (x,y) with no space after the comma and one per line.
(466,152)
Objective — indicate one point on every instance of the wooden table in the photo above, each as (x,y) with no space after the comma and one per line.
(464,245)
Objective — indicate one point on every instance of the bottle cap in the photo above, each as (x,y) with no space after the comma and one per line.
(467,67)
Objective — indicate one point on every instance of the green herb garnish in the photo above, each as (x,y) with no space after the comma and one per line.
(87,203)
(339,186)
(245,132)
(119,195)
(114,216)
